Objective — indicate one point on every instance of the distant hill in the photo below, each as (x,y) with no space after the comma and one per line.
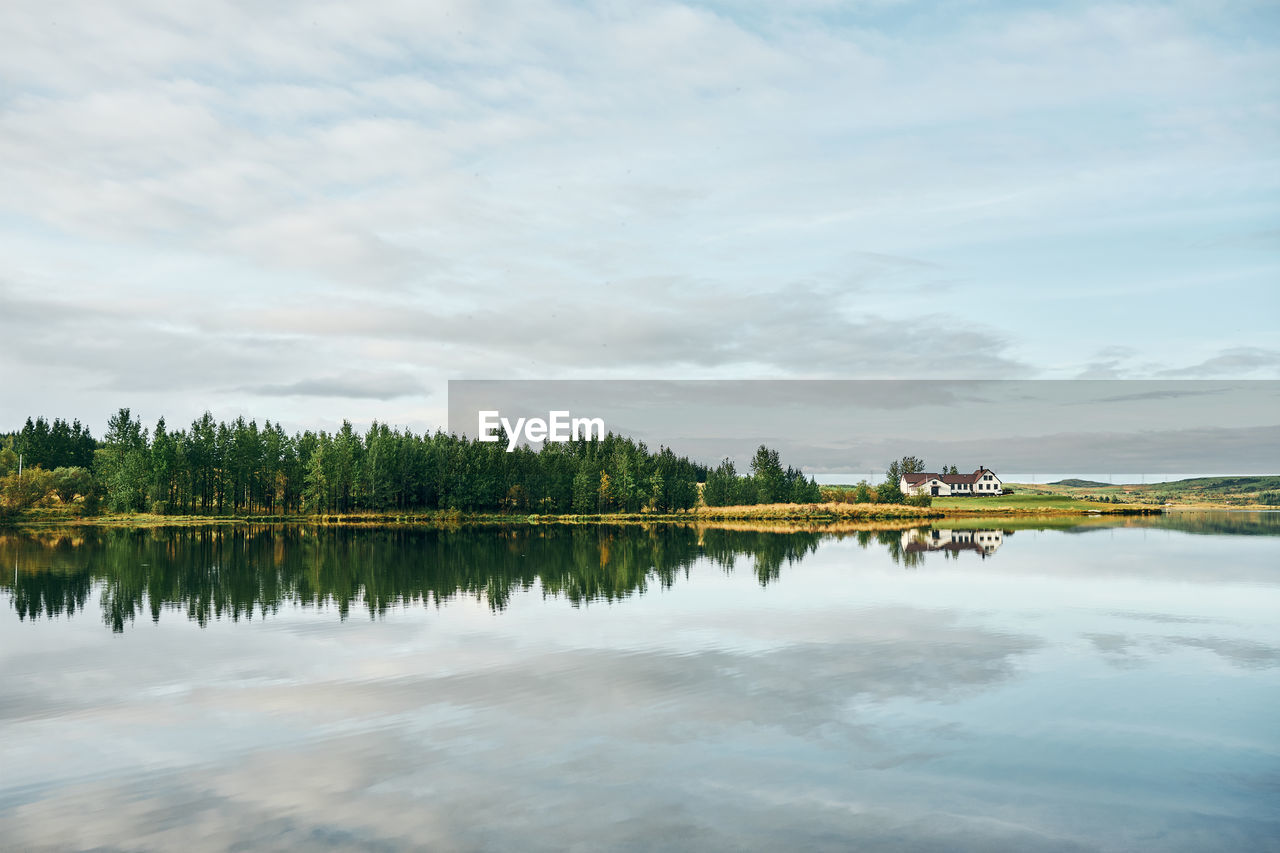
(1230,491)
(1222,485)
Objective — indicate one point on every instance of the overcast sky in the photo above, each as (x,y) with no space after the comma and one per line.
(315,211)
(841,431)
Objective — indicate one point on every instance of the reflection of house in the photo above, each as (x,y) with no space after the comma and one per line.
(985,542)
(981,482)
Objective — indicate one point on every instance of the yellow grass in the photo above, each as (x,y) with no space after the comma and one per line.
(817,511)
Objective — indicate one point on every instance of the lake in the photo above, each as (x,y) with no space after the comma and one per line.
(1100,684)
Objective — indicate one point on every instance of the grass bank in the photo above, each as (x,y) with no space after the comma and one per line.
(61,517)
(1041,503)
(806,514)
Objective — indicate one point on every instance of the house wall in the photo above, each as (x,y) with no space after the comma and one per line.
(994,486)
(925,488)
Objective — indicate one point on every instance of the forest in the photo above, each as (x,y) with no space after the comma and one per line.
(241,468)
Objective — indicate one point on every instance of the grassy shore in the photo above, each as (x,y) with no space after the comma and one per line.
(1045,503)
(808,514)
(59,517)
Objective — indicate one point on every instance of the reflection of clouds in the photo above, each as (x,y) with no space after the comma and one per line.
(1170,618)
(849,703)
(381,792)
(1116,649)
(565,743)
(884,653)
(1131,650)
(1110,643)
(1244,653)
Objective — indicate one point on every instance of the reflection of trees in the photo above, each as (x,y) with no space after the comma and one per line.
(238,573)
(892,540)
(51,594)
(768,550)
(242,572)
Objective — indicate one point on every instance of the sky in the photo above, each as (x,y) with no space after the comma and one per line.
(841,431)
(311,212)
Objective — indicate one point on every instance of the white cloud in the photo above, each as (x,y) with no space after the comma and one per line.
(455,161)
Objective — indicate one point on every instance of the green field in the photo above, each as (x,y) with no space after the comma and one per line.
(1023,503)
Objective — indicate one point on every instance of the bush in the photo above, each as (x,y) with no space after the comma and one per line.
(69,482)
(919,500)
(889,493)
(33,487)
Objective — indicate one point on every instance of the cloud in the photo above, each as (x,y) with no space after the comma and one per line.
(352,387)
(1235,361)
(1211,449)
(667,323)
(1024,426)
(565,189)
(1162,394)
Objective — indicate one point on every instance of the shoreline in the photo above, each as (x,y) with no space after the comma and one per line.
(812,514)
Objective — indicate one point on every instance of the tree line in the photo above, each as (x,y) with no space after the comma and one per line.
(238,467)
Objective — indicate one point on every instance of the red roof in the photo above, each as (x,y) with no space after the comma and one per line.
(949,479)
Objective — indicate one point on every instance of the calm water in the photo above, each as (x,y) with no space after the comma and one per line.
(1103,686)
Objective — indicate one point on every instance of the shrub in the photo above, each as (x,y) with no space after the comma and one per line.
(33,488)
(69,482)
(889,493)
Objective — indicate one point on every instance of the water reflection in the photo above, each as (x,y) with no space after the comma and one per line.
(758,690)
(239,572)
(983,542)
(243,572)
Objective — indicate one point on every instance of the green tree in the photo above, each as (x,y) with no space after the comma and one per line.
(121,465)
(8,458)
(889,492)
(720,488)
(584,490)
(72,482)
(315,496)
(770,479)
(906,465)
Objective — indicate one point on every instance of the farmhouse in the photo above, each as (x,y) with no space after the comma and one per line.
(981,482)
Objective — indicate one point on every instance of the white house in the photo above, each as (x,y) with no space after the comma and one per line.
(981,482)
